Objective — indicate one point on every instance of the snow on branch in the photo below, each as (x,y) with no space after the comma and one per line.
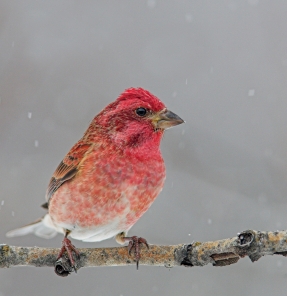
(251,243)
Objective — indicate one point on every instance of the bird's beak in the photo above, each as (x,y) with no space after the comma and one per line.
(165,119)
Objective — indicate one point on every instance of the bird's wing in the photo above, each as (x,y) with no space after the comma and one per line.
(67,169)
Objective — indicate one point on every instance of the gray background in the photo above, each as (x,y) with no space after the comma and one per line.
(221,65)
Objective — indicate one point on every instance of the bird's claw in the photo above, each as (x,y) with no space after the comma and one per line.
(68,247)
(134,244)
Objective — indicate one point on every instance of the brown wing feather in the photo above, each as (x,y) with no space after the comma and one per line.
(68,168)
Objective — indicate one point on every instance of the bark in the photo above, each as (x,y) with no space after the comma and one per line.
(251,243)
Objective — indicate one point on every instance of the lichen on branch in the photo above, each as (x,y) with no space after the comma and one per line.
(251,243)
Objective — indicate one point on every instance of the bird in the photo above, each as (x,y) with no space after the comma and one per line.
(110,177)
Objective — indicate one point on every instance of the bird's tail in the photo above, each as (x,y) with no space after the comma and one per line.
(38,227)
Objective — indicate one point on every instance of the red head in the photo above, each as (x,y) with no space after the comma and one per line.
(141,96)
(135,119)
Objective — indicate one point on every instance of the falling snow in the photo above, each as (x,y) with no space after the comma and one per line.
(13,213)
(2,203)
(251,92)
(29,115)
(36,143)
(151,3)
(209,221)
(188,18)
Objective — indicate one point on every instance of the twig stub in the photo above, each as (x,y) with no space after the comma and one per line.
(251,243)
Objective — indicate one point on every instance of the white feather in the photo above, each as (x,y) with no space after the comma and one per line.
(41,228)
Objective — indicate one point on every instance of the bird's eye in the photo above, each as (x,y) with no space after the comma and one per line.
(141,111)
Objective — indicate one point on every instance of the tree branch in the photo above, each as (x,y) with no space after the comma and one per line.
(251,243)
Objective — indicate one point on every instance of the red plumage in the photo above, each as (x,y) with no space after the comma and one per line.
(112,175)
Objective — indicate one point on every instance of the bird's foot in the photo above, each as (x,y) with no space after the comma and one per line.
(134,244)
(68,247)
